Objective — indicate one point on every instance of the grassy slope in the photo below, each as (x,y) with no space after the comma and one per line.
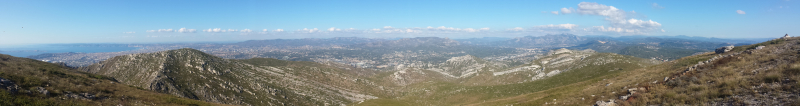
(61,81)
(746,79)
(453,93)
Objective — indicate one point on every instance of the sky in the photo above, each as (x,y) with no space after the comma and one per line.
(164,21)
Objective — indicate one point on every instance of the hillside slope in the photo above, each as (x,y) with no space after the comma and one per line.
(746,75)
(193,74)
(434,86)
(31,82)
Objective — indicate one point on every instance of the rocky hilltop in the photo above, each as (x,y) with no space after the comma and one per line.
(28,82)
(193,74)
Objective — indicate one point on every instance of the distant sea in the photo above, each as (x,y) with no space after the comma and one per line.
(30,50)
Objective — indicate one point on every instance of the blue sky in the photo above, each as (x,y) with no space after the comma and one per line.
(118,21)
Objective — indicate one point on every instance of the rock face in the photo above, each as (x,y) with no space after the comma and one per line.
(785,36)
(723,49)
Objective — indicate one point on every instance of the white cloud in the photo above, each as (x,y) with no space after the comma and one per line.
(559,26)
(611,12)
(554,12)
(610,29)
(618,19)
(306,30)
(129,32)
(655,5)
(184,30)
(215,30)
(387,27)
(740,12)
(165,30)
(442,28)
(231,30)
(160,30)
(517,29)
(246,31)
(566,10)
(278,30)
(334,29)
(265,30)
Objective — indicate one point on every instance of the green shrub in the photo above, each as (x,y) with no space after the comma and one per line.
(772,78)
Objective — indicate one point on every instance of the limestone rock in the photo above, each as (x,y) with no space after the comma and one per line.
(604,103)
(760,47)
(8,85)
(723,49)
(42,90)
(785,36)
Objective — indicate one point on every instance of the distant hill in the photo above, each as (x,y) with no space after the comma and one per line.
(651,47)
(546,41)
(481,41)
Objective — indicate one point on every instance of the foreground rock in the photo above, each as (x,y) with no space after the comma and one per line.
(723,49)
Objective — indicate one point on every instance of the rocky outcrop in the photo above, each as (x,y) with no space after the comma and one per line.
(723,49)
(610,102)
(8,85)
(785,36)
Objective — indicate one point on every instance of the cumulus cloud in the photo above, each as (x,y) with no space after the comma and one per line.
(265,30)
(184,30)
(215,30)
(566,10)
(278,30)
(610,29)
(740,12)
(517,29)
(306,30)
(618,19)
(160,30)
(129,32)
(334,29)
(655,5)
(559,26)
(554,12)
